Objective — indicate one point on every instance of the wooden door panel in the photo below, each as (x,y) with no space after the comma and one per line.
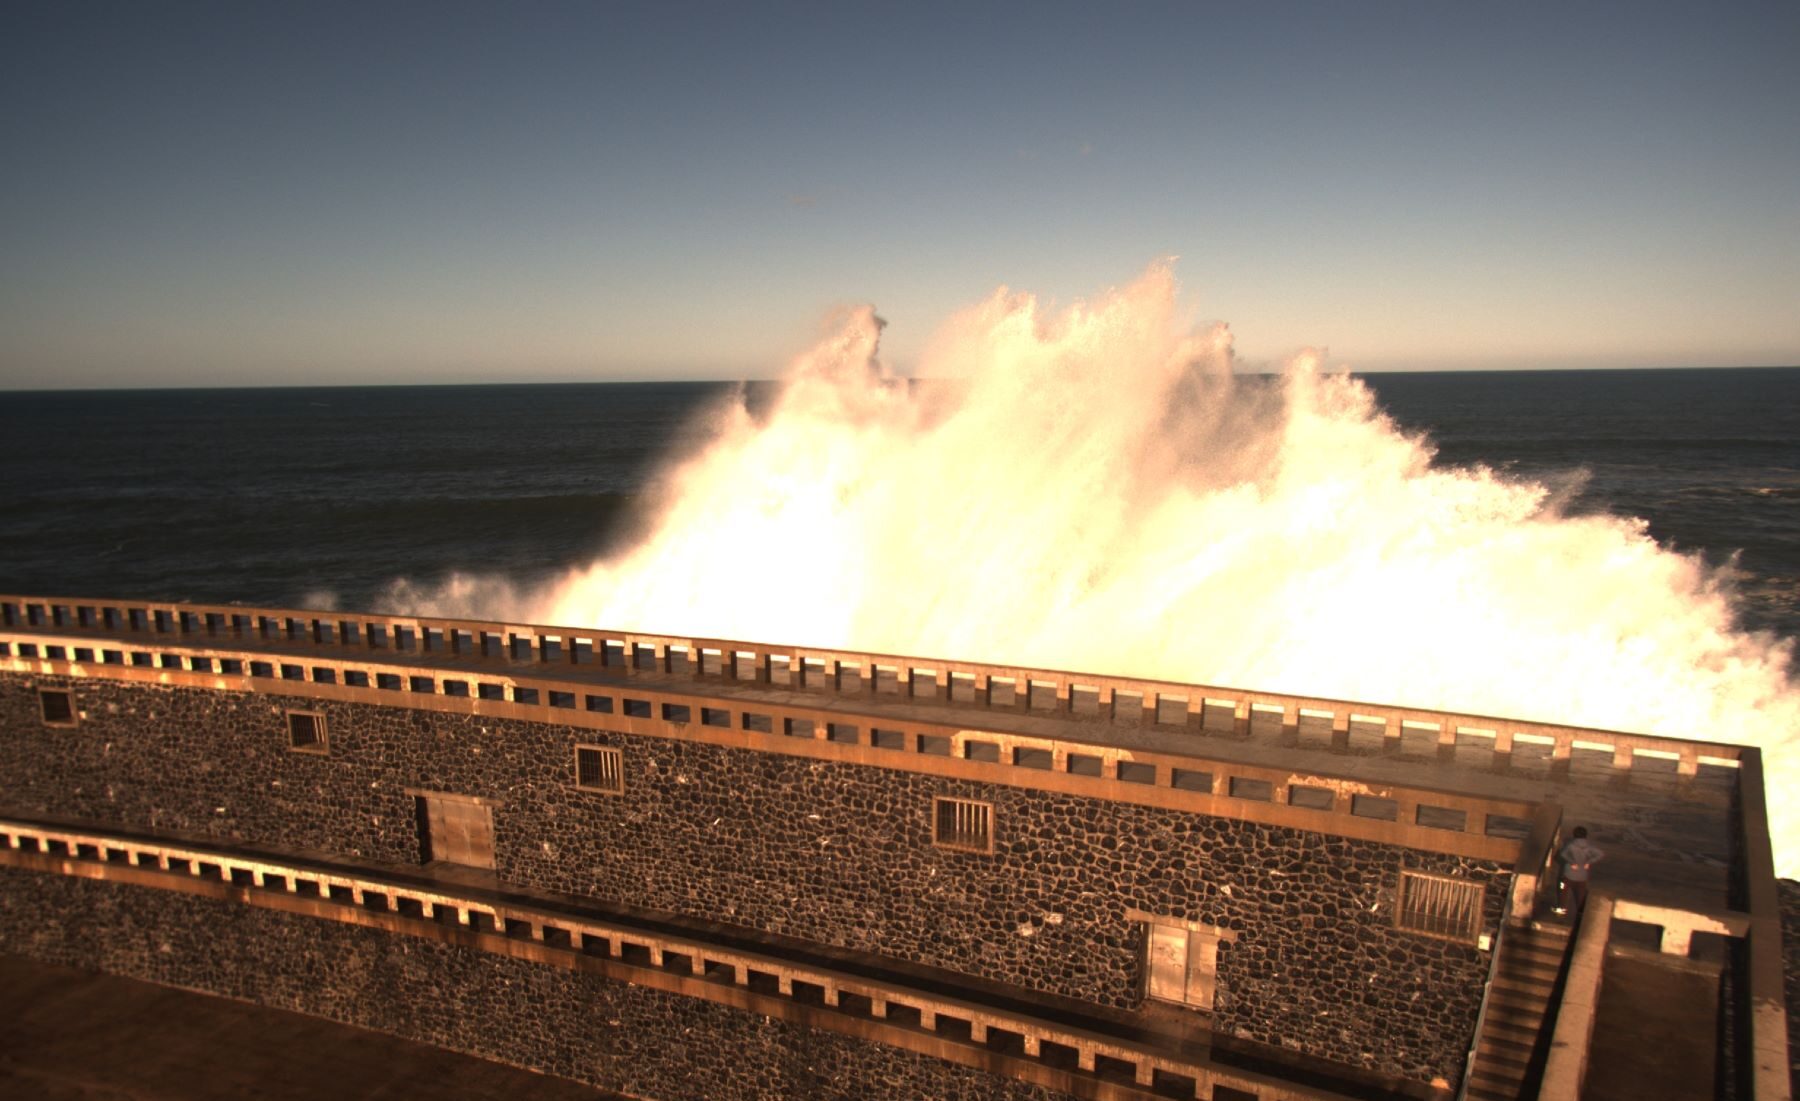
(1168,963)
(460,831)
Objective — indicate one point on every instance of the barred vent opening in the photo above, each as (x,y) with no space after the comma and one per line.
(963,824)
(58,707)
(599,768)
(1440,906)
(306,731)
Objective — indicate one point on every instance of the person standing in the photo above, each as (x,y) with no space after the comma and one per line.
(1578,859)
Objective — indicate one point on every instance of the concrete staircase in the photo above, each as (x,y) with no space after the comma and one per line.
(1531,958)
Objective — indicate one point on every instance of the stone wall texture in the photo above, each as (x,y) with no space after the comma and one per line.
(830,852)
(632,1039)
(1790,958)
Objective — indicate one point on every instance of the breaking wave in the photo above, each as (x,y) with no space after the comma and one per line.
(1097,490)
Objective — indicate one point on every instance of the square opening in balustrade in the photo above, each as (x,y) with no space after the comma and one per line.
(600,768)
(964,824)
(57,706)
(306,731)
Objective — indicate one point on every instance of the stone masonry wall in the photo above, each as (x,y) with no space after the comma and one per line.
(632,1039)
(830,852)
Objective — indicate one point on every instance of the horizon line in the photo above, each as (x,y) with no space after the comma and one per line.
(746,381)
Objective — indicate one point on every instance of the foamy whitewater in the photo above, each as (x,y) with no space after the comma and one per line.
(1100,492)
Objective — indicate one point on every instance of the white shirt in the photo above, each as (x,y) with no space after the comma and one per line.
(1578,856)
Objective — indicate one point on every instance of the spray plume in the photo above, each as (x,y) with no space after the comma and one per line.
(1098,491)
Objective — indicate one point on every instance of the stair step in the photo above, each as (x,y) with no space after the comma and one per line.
(1513,1065)
(1498,1078)
(1538,951)
(1529,1030)
(1481,1091)
(1502,1045)
(1518,1000)
(1505,1070)
(1514,1017)
(1547,968)
(1535,992)
(1502,1068)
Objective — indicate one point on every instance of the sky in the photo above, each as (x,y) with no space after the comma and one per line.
(262,194)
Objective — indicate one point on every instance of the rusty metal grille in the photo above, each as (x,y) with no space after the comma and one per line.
(599,768)
(306,731)
(1438,905)
(963,824)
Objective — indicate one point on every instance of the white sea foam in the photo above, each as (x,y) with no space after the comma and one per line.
(1101,492)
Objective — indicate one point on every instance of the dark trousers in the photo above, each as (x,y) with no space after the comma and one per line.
(1574,895)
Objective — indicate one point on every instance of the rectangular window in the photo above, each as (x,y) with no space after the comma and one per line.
(1312,798)
(599,768)
(1136,772)
(306,731)
(1190,780)
(1439,905)
(1246,787)
(1082,764)
(57,707)
(962,824)
(1183,964)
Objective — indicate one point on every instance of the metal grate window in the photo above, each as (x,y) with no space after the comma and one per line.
(57,707)
(306,731)
(962,824)
(1440,906)
(599,768)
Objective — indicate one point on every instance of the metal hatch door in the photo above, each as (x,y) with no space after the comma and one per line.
(459,830)
(1168,963)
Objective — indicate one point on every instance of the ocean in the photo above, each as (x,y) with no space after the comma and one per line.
(281,496)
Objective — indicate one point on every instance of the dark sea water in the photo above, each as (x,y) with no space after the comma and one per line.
(270,496)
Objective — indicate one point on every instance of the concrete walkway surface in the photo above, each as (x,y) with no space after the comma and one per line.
(68,1035)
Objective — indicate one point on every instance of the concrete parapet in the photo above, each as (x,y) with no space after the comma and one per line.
(525,650)
(1567,1063)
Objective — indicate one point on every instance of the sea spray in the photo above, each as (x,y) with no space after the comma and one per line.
(1097,490)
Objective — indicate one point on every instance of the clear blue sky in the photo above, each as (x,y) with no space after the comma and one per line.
(248,193)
